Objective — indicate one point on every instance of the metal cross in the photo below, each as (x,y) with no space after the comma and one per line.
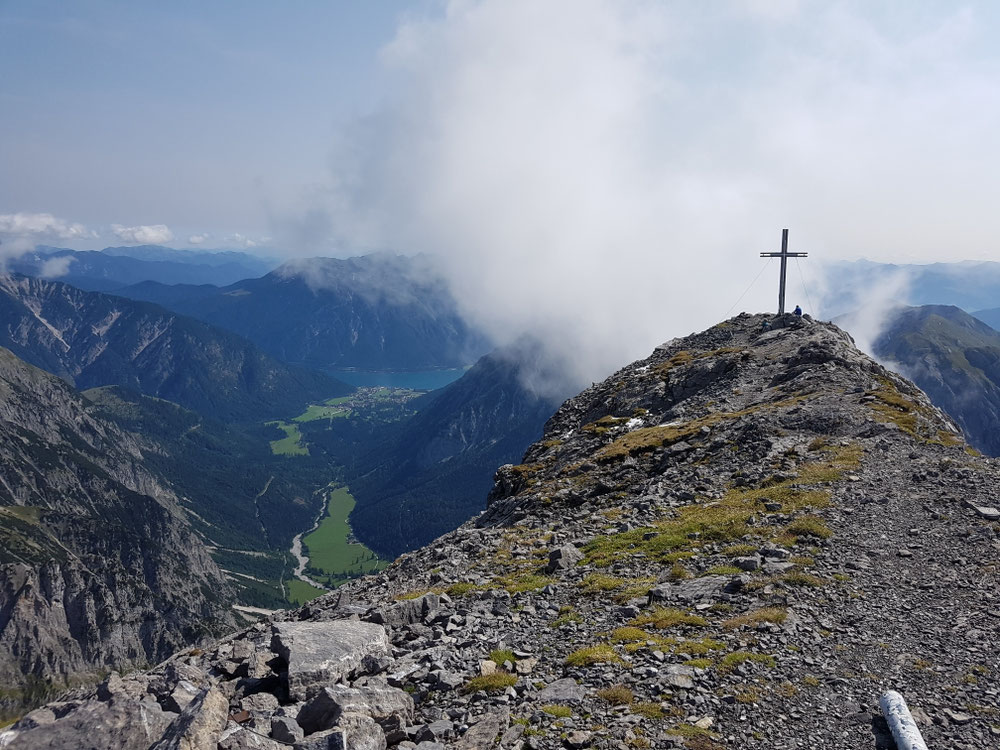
(784,255)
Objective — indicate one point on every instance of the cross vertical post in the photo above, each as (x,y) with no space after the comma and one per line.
(784,255)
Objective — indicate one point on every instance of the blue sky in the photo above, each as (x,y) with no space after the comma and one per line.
(194,115)
(241,122)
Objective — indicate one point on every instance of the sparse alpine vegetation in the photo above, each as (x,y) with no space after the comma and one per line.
(695,555)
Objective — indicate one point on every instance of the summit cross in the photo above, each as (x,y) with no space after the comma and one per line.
(784,255)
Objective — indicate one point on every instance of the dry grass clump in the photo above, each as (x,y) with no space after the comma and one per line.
(648,709)
(501,656)
(774,615)
(809,526)
(557,710)
(617,695)
(567,614)
(462,588)
(523,583)
(602,653)
(734,659)
(667,617)
(490,683)
(417,593)
(630,635)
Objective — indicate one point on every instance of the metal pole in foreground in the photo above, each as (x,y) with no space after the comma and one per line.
(897,715)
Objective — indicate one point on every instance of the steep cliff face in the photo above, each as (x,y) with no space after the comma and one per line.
(94,339)
(435,474)
(738,542)
(98,567)
(955,359)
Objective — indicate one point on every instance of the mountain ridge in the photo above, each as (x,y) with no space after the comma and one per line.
(115,267)
(955,359)
(435,473)
(95,339)
(374,312)
(98,567)
(739,541)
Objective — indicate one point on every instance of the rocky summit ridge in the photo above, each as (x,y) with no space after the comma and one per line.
(738,542)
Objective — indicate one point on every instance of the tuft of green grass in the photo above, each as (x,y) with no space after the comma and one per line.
(603,424)
(747,694)
(566,615)
(523,583)
(809,526)
(629,635)
(559,711)
(417,593)
(491,683)
(666,617)
(701,663)
(502,655)
(617,695)
(462,588)
(774,615)
(601,653)
(648,710)
(678,573)
(732,660)
(689,730)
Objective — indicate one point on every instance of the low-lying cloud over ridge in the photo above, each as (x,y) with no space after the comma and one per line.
(603,174)
(146,234)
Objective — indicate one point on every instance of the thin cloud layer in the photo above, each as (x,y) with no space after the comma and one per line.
(151,234)
(43,226)
(603,174)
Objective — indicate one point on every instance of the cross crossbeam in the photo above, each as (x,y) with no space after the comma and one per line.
(784,255)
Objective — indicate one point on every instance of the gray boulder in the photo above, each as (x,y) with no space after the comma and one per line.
(286,729)
(563,557)
(200,724)
(323,653)
(388,706)
(122,725)
(562,691)
(354,732)
(239,738)
(483,734)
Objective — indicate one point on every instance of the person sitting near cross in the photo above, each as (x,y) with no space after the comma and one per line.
(798,311)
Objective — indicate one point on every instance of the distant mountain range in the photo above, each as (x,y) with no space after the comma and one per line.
(94,339)
(98,567)
(436,471)
(989,317)
(969,285)
(377,312)
(955,359)
(115,267)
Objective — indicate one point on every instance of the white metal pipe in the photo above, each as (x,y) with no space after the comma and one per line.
(901,724)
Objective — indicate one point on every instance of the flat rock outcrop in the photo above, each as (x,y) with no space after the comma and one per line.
(772,529)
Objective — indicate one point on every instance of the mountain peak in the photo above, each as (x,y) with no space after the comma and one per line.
(740,541)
